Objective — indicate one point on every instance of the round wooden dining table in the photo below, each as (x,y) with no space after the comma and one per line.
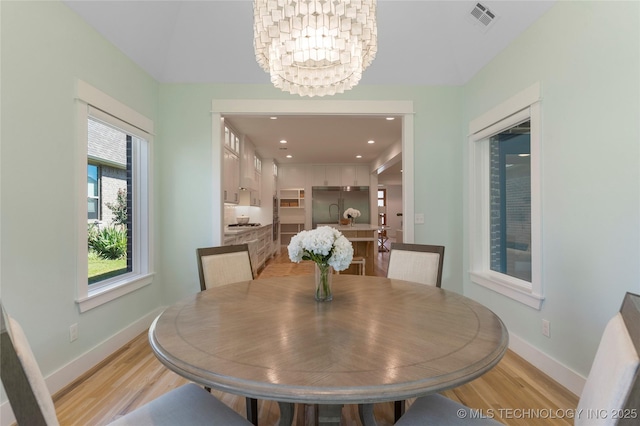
(378,340)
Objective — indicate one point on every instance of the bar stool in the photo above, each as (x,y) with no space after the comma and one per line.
(361,262)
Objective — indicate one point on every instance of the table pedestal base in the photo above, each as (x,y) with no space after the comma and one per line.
(366,415)
(329,415)
(326,415)
(286,414)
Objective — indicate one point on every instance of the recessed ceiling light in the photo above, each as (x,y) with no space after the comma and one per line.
(358,156)
(391,118)
(283,141)
(273,118)
(289,156)
(523,155)
(371,141)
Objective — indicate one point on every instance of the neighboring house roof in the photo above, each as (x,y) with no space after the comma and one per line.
(107,144)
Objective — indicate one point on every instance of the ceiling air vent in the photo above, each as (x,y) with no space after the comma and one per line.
(483,16)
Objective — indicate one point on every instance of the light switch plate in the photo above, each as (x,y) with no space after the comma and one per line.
(419,219)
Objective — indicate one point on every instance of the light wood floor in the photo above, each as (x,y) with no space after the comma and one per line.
(513,390)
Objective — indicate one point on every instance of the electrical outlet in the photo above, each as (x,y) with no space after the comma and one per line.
(73,332)
(546,328)
(419,219)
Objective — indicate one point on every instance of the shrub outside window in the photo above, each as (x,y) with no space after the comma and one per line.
(114,229)
(109,232)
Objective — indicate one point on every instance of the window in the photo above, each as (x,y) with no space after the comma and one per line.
(504,149)
(93,192)
(114,244)
(109,184)
(510,202)
(382,207)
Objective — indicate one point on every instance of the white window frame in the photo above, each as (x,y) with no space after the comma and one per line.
(517,109)
(95,103)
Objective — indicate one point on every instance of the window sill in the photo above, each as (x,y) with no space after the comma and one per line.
(111,292)
(508,288)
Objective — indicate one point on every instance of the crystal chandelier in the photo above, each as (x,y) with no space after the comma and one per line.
(315,47)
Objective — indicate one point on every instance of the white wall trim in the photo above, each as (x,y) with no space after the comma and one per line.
(92,102)
(95,97)
(76,368)
(220,107)
(559,372)
(522,106)
(517,102)
(562,374)
(270,107)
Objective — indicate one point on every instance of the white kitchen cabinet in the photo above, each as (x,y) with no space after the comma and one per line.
(248,165)
(231,140)
(257,173)
(250,175)
(259,241)
(265,235)
(275,179)
(355,175)
(252,197)
(292,175)
(231,167)
(231,181)
(326,175)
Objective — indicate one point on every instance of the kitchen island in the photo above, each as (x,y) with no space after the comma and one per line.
(364,238)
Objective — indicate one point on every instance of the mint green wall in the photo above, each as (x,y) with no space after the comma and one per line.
(45,48)
(184,154)
(586,56)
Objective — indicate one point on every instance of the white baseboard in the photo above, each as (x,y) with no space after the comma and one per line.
(76,368)
(551,367)
(67,374)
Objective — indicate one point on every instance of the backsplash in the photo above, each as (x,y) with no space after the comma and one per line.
(231,212)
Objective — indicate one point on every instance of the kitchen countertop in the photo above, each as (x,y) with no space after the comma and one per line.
(356,227)
(237,230)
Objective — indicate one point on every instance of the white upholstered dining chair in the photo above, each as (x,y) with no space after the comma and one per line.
(613,384)
(419,263)
(32,404)
(225,265)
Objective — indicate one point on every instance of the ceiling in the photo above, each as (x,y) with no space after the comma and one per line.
(320,139)
(420,42)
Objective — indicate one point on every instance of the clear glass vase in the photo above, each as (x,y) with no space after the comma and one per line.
(323,277)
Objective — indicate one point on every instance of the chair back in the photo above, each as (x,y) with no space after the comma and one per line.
(416,262)
(613,385)
(223,265)
(21,377)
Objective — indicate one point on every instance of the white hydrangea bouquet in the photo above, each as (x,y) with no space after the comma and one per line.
(327,247)
(351,213)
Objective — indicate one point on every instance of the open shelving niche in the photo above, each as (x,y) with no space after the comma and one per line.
(292,212)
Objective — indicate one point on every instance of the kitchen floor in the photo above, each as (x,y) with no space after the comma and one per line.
(133,376)
(280,265)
